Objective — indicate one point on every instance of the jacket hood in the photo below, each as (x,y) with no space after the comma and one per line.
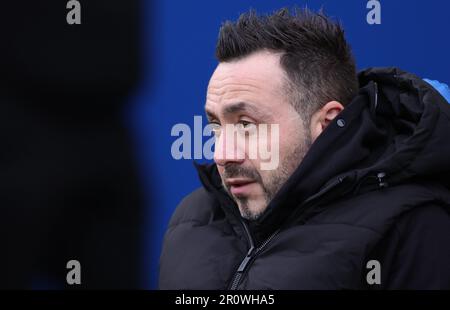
(396,130)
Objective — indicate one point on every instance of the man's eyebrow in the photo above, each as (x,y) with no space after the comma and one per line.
(237,107)
(252,110)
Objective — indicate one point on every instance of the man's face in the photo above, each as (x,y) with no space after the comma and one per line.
(247,93)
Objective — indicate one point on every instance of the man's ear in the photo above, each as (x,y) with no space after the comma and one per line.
(321,118)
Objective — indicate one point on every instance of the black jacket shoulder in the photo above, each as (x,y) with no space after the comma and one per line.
(195,207)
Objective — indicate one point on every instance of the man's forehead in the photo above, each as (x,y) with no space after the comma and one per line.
(257,78)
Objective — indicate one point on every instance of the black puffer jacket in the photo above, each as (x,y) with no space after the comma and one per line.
(375,185)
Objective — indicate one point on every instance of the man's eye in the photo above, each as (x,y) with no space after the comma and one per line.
(215,127)
(214,124)
(246,125)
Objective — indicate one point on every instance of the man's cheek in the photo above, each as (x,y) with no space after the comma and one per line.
(220,169)
(269,147)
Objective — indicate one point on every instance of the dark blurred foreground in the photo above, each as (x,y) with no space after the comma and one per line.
(68,186)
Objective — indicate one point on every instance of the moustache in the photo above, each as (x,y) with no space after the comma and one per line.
(237,171)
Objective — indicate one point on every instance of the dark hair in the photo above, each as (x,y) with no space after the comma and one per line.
(314,53)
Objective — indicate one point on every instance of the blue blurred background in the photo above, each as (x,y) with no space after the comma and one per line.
(179,39)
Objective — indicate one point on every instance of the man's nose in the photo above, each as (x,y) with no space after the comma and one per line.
(228,148)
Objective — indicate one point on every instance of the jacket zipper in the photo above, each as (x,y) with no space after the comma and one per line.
(252,252)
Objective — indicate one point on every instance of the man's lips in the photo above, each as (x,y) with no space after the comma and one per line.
(240,186)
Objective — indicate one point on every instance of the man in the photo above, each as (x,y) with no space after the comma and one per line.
(360,197)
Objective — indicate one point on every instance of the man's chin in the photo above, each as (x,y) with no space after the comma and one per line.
(251,209)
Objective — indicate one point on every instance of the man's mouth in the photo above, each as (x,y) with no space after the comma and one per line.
(240,187)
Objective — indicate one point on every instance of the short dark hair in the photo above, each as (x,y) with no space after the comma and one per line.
(314,54)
